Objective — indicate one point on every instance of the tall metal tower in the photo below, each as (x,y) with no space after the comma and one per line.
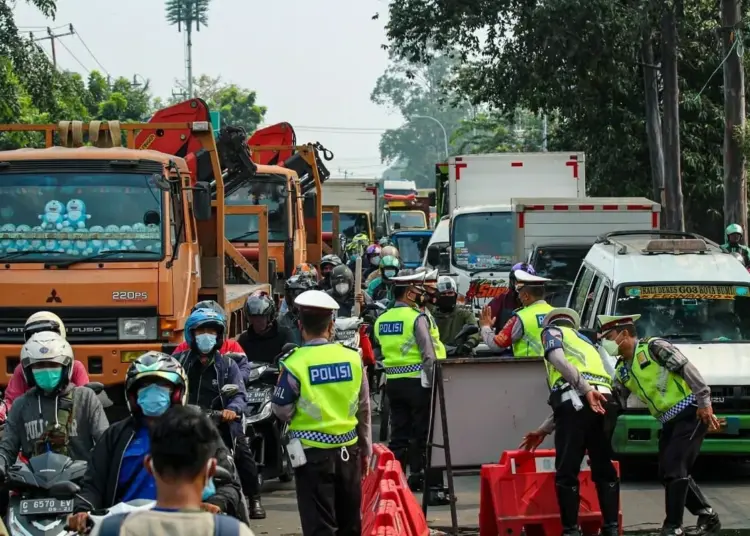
(189,14)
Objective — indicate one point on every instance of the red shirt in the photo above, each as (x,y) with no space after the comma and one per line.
(230,346)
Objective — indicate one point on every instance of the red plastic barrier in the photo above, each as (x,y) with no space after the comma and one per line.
(518,494)
(387,501)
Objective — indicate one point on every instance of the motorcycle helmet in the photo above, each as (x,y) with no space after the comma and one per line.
(734,228)
(205,318)
(342,277)
(296,285)
(43,321)
(155,365)
(446,284)
(305,268)
(47,347)
(260,305)
(524,267)
(389,266)
(389,251)
(211,306)
(328,263)
(373,254)
(383,242)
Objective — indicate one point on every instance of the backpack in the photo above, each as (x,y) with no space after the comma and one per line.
(223,525)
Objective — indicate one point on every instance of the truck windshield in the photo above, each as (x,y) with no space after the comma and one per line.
(483,241)
(69,215)
(559,263)
(688,312)
(411,249)
(412,219)
(244,227)
(350,223)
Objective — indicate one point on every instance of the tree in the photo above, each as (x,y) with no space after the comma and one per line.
(498,132)
(587,71)
(418,91)
(188,12)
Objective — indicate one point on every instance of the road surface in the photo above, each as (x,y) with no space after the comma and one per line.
(726,483)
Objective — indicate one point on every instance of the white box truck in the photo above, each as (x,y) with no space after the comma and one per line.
(357,204)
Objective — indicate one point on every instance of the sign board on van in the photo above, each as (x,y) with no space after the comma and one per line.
(703,292)
(486,288)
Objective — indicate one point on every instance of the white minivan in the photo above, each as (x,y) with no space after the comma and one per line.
(440,239)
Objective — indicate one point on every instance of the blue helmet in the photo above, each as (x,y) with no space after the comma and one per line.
(204,318)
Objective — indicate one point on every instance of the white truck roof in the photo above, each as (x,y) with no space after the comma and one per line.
(350,195)
(623,260)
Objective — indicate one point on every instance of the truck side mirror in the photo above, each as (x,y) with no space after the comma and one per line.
(433,256)
(201,202)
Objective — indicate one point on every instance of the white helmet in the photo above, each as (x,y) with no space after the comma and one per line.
(47,347)
(446,284)
(44,321)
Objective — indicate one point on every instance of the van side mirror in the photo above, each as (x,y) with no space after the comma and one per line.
(201,201)
(433,256)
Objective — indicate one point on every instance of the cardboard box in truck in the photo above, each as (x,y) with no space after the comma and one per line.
(550,221)
(482,179)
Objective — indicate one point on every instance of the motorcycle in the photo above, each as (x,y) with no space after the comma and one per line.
(265,433)
(451,349)
(347,332)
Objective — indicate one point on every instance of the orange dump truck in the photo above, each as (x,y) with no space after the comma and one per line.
(119,242)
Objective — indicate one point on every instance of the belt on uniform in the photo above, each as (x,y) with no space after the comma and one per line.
(405,369)
(568,394)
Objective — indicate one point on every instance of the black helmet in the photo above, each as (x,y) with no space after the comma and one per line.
(329,260)
(342,274)
(211,305)
(155,364)
(296,285)
(260,305)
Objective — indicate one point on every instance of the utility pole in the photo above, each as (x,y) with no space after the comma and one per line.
(190,14)
(52,36)
(735,178)
(675,215)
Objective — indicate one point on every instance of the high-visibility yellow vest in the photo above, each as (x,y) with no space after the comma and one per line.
(330,379)
(394,331)
(665,393)
(583,356)
(531,317)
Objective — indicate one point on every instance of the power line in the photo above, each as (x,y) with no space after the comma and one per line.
(52,37)
(78,35)
(75,58)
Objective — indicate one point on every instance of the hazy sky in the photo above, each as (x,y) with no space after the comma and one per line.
(312,64)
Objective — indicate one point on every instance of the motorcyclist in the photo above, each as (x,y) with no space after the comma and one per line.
(342,281)
(380,287)
(207,371)
(327,264)
(302,270)
(450,319)
(116,473)
(355,249)
(734,235)
(55,414)
(387,250)
(264,337)
(37,323)
(372,258)
(502,307)
(229,348)
(293,287)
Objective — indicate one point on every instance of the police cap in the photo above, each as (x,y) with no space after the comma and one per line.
(562,314)
(316,299)
(606,323)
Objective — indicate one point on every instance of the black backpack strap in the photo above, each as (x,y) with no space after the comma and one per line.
(111,525)
(223,526)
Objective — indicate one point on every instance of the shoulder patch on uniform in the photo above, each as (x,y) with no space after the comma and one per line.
(287,354)
(332,373)
(391,328)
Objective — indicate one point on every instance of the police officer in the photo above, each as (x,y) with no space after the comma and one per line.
(579,388)
(675,394)
(408,342)
(523,331)
(323,392)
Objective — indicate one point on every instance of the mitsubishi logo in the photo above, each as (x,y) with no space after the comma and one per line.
(53,297)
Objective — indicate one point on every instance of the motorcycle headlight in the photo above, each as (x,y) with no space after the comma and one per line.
(262,415)
(136,329)
(255,373)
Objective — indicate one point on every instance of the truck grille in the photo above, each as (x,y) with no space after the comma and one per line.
(84,325)
(729,398)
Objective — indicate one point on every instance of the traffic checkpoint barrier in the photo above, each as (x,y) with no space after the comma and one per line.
(388,505)
(517,495)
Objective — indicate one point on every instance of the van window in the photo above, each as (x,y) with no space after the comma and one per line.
(688,312)
(581,288)
(601,307)
(589,298)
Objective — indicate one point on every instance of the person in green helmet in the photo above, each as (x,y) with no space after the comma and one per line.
(380,288)
(733,244)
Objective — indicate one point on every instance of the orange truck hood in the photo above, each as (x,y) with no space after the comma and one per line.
(79,287)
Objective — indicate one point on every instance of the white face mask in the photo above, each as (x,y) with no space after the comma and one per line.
(610,347)
(342,288)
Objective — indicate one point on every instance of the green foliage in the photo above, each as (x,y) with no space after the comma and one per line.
(580,61)
(498,132)
(190,13)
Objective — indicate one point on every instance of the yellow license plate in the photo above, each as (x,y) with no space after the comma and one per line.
(129,357)
(721,429)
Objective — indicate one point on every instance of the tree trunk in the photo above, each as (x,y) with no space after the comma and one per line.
(735,183)
(675,217)
(653,117)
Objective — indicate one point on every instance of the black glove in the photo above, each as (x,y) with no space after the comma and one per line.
(464,349)
(3,469)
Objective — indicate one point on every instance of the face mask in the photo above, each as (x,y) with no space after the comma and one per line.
(205,342)
(447,303)
(375,260)
(419,299)
(154,400)
(209,490)
(342,288)
(47,379)
(389,273)
(610,347)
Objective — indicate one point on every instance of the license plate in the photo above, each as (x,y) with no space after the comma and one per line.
(45,506)
(253,397)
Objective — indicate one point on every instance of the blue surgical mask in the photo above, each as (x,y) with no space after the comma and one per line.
(154,400)
(205,342)
(47,379)
(209,490)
